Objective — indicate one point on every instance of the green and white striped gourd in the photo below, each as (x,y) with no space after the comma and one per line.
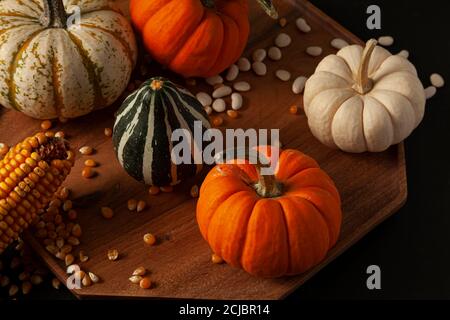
(143,130)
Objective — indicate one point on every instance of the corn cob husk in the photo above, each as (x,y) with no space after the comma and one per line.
(30,174)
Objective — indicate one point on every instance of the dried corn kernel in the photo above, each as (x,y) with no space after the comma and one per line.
(141,205)
(232,114)
(141,271)
(135,279)
(56,283)
(216,259)
(90,163)
(217,121)
(149,239)
(86,150)
(94,277)
(107,212)
(113,254)
(132,204)
(87,172)
(76,230)
(145,283)
(86,281)
(46,124)
(293,109)
(69,259)
(194,191)
(3,149)
(108,132)
(154,190)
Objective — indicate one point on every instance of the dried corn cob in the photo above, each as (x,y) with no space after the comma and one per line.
(30,173)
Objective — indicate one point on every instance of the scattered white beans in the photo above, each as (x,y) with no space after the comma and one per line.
(302,25)
(283,75)
(221,92)
(233,72)
(283,40)
(244,64)
(314,51)
(208,110)
(339,43)
(242,86)
(259,55)
(236,101)
(299,84)
(212,81)
(204,98)
(437,80)
(430,92)
(259,68)
(386,41)
(404,54)
(219,105)
(274,53)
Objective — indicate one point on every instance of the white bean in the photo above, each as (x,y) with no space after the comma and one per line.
(236,101)
(212,81)
(274,53)
(222,91)
(283,75)
(242,86)
(404,54)
(259,68)
(430,92)
(299,84)
(259,55)
(386,41)
(208,110)
(302,25)
(437,80)
(283,40)
(233,72)
(204,98)
(219,105)
(244,64)
(339,43)
(314,51)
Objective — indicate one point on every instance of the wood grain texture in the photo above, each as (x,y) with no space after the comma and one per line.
(372,186)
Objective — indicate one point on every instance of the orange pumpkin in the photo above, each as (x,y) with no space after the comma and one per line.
(270,225)
(194,37)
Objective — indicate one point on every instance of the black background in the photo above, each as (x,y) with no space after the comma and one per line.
(411,247)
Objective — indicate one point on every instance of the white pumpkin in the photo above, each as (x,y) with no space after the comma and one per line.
(54,65)
(363,99)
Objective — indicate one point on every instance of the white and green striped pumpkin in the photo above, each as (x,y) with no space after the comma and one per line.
(142,134)
(55,63)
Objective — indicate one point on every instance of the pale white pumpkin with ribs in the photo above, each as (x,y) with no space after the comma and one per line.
(50,68)
(363,99)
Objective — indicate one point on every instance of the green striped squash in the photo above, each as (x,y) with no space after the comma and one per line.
(143,130)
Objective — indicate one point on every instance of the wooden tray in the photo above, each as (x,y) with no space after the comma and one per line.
(373,186)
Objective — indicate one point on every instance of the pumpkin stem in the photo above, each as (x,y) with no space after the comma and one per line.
(55,15)
(363,83)
(267,186)
(269,8)
(156,84)
(208,3)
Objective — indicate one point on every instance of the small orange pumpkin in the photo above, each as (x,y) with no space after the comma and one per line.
(270,225)
(194,37)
